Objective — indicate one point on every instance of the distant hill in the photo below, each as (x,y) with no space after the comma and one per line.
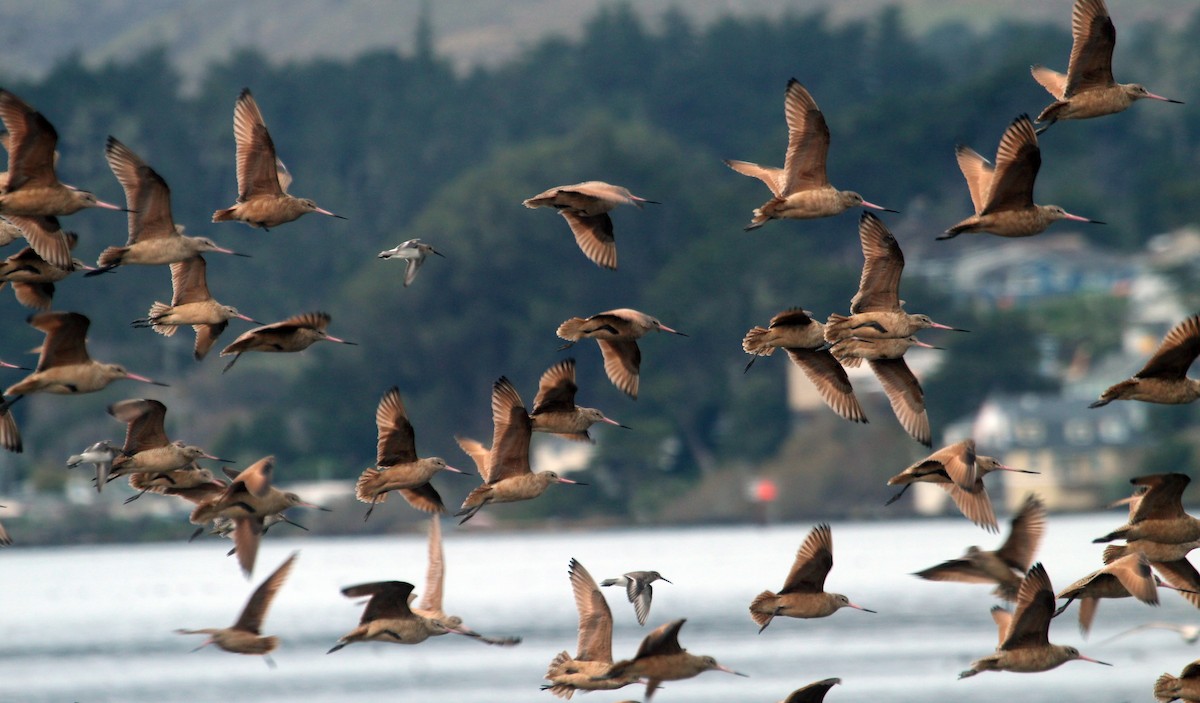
(470,32)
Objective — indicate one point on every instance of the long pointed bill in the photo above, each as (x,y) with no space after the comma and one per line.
(1077,218)
(326,212)
(1094,661)
(453,470)
(878,207)
(664,328)
(222,250)
(939,326)
(339,340)
(240,316)
(859,607)
(919,343)
(217,458)
(611,421)
(1152,96)
(143,379)
(6,365)
(1002,467)
(110,206)
(727,670)
(435,251)
(567,480)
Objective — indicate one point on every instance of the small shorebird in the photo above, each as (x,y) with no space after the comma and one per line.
(263,200)
(1003,195)
(886,357)
(638,590)
(876,310)
(554,408)
(48,240)
(617,332)
(248,501)
(387,617)
(31,276)
(803,338)
(64,365)
(507,477)
(1088,88)
(803,594)
(801,188)
(812,693)
(147,448)
(1185,687)
(585,207)
(413,253)
(1025,635)
(191,304)
(294,334)
(154,237)
(593,657)
(430,605)
(960,471)
(101,455)
(1164,377)
(660,658)
(397,467)
(1160,519)
(245,635)
(1006,566)
(32,187)
(1128,576)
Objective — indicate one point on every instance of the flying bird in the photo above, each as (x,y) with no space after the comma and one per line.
(585,207)
(638,590)
(617,332)
(1164,377)
(294,334)
(412,253)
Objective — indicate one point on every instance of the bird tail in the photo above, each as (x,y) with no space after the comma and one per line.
(762,608)
(365,489)
(755,342)
(1114,552)
(112,257)
(572,329)
(609,582)
(226,215)
(1115,534)
(1166,688)
(765,213)
(556,664)
(157,311)
(837,328)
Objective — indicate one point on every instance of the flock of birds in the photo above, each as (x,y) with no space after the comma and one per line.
(245,504)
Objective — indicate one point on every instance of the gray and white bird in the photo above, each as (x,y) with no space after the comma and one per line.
(637,587)
(413,252)
(101,454)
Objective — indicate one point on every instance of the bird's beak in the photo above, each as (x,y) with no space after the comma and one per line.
(1094,661)
(6,365)
(859,607)
(217,458)
(435,251)
(919,343)
(143,379)
(314,506)
(339,340)
(567,480)
(220,250)
(727,670)
(660,578)
(326,212)
(611,421)
(110,206)
(939,326)
(878,207)
(1002,467)
(453,470)
(1152,96)
(664,328)
(240,316)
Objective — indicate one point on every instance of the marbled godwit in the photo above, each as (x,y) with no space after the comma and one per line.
(192,304)
(801,188)
(1006,566)
(146,448)
(585,207)
(33,277)
(64,365)
(101,455)
(1128,576)
(47,238)
(245,635)
(1003,196)
(1088,88)
(33,188)
(960,471)
(804,340)
(876,310)
(194,484)
(431,599)
(1164,377)
(593,657)
(397,467)
(554,408)
(617,332)
(1184,687)
(248,500)
(294,334)
(660,658)
(638,590)
(154,237)
(1160,519)
(10,436)
(812,693)
(413,253)
(886,357)
(387,617)
(803,594)
(1025,635)
(263,200)
(507,477)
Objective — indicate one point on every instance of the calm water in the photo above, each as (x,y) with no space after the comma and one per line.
(95,624)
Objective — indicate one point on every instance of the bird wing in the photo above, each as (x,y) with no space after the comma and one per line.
(397,441)
(410,269)
(206,337)
(424,498)
(808,141)
(794,317)
(1093,37)
(247,534)
(1163,499)
(147,195)
(883,263)
(831,381)
(556,389)
(813,561)
(595,617)
(957,570)
(256,170)
(1133,571)
(1176,353)
(510,438)
(1035,604)
(31,143)
(1018,159)
(478,453)
(389,599)
(256,609)
(144,418)
(1182,575)
(66,338)
(1054,82)
(974,504)
(1024,535)
(662,641)
(46,238)
(622,360)
(905,395)
(812,693)
(435,572)
(639,592)
(594,235)
(773,177)
(189,282)
(979,173)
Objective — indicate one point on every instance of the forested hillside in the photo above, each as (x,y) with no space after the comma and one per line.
(404,146)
